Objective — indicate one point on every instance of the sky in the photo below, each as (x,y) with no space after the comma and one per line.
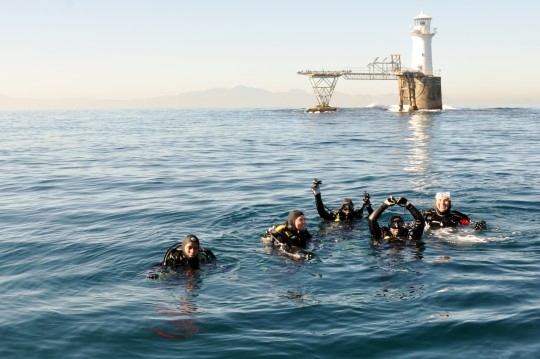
(486,51)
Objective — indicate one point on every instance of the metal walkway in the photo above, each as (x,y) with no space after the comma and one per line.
(324,82)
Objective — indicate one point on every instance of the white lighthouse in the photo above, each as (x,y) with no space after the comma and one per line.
(421,52)
(418,88)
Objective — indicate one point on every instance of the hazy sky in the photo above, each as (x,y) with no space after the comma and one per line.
(488,51)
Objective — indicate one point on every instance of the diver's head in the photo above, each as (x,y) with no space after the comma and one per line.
(297,220)
(190,246)
(396,225)
(347,207)
(443,202)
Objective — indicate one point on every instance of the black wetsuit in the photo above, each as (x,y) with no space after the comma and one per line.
(288,241)
(412,232)
(338,215)
(436,220)
(177,258)
(452,219)
(285,234)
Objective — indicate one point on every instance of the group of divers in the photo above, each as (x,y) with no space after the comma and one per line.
(292,237)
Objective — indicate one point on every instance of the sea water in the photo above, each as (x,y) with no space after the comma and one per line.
(91,200)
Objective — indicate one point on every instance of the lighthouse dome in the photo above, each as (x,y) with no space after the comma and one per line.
(422,16)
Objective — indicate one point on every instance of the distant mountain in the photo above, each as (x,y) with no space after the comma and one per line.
(236,97)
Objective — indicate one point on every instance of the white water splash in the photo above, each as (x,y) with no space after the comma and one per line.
(463,236)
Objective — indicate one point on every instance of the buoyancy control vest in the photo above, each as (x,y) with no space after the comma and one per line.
(175,257)
(285,235)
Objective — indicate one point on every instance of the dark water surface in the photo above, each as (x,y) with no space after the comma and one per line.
(90,200)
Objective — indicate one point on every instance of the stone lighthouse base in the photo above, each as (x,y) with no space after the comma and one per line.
(419,91)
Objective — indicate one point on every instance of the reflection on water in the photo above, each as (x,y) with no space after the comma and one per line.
(181,315)
(419,161)
(400,272)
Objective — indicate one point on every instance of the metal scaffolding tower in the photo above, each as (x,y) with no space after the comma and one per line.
(324,82)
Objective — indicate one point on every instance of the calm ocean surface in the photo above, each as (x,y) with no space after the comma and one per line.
(91,200)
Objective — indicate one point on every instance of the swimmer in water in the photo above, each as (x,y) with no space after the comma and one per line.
(188,254)
(397,231)
(290,236)
(442,216)
(345,213)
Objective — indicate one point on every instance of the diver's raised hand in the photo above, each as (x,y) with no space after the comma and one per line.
(315,186)
(403,202)
(390,201)
(366,201)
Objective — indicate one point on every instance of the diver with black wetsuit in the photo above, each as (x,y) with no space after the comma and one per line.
(187,254)
(291,237)
(397,231)
(345,213)
(442,216)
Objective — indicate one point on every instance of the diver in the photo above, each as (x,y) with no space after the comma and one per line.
(187,254)
(397,231)
(442,216)
(345,213)
(291,237)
